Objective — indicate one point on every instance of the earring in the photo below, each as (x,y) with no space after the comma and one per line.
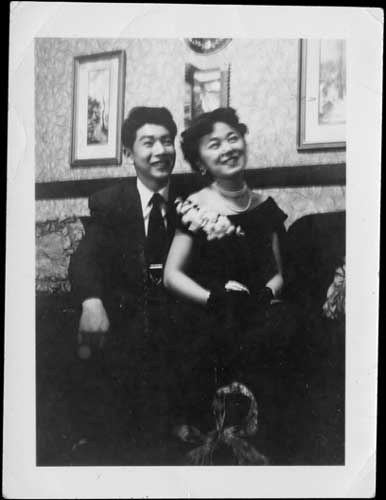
(202,171)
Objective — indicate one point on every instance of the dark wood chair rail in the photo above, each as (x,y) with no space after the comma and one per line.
(269,177)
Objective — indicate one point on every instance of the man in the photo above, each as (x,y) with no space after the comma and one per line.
(116,277)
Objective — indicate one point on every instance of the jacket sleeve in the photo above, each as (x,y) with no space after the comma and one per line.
(87,269)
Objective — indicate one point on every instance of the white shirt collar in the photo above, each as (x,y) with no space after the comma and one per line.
(146,194)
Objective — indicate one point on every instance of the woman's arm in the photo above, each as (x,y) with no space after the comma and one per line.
(276,282)
(175,278)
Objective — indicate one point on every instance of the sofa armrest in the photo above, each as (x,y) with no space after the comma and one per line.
(315,246)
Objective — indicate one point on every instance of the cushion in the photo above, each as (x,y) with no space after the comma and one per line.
(314,249)
(334,307)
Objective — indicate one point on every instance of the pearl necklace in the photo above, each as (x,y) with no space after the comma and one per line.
(231,197)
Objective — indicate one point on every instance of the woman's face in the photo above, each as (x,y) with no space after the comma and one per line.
(223,152)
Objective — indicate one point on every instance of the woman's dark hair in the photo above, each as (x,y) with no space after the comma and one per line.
(203,125)
(141,115)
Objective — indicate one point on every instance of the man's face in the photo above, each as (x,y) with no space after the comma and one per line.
(153,154)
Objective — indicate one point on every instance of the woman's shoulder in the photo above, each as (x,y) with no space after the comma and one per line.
(201,197)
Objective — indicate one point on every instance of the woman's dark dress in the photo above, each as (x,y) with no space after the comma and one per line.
(255,346)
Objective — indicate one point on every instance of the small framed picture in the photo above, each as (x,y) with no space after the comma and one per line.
(205,90)
(322,94)
(98,102)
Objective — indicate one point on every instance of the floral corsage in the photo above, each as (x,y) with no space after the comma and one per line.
(215,225)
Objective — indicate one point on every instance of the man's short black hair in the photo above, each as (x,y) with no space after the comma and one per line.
(139,116)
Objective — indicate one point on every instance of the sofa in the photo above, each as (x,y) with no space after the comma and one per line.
(315,256)
(315,248)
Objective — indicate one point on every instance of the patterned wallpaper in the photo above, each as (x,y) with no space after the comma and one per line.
(297,202)
(153,70)
(263,89)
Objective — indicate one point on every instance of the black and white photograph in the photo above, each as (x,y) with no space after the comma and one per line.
(185,308)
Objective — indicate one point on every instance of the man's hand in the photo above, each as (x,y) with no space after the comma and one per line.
(93,325)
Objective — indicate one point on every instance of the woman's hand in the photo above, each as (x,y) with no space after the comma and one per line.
(263,297)
(221,301)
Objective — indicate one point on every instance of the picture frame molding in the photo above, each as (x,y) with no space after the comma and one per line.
(302,144)
(121,77)
(225,77)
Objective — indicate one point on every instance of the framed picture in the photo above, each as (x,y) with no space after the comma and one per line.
(322,94)
(205,90)
(98,102)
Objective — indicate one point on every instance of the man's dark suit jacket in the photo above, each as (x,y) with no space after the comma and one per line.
(109,263)
(110,260)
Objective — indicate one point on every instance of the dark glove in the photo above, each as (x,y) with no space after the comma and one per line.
(222,301)
(263,297)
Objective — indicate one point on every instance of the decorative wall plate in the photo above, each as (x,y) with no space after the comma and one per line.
(207,45)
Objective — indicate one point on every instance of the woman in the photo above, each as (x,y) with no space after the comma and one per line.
(225,260)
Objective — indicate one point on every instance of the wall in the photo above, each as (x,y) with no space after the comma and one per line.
(263,88)
(151,66)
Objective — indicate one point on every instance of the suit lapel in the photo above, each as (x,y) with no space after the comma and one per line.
(171,213)
(131,214)
(128,227)
(128,220)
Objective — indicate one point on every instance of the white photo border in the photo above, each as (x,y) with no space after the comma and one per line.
(363,30)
